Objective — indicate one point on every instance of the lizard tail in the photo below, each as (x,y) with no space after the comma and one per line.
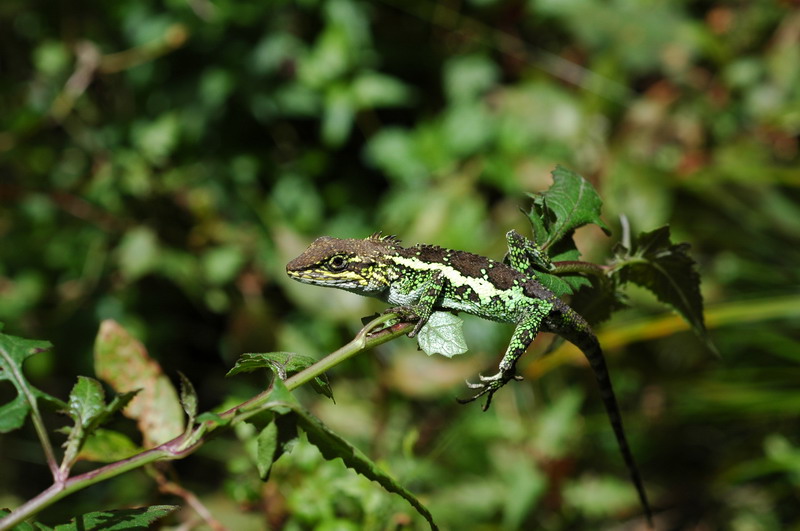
(590,347)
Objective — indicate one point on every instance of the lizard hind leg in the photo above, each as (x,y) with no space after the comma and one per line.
(523,336)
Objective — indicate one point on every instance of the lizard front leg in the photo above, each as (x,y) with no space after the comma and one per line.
(525,256)
(430,292)
(523,336)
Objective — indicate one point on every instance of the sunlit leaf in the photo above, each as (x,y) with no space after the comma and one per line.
(443,334)
(569,203)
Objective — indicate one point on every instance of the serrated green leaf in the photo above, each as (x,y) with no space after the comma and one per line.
(443,334)
(86,401)
(88,410)
(13,414)
(118,520)
(13,353)
(333,446)
(569,203)
(267,444)
(667,270)
(282,364)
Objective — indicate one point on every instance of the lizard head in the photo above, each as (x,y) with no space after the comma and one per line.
(357,265)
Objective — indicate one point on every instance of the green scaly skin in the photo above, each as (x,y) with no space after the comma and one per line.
(421,279)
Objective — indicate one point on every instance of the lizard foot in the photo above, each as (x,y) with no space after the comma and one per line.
(489,385)
(408,314)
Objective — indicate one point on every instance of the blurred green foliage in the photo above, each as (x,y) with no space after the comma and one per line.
(161,161)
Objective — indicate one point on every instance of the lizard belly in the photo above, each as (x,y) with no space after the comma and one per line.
(401,297)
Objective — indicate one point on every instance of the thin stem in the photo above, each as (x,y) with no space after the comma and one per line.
(36,417)
(169,487)
(182,446)
(364,340)
(576,266)
(61,489)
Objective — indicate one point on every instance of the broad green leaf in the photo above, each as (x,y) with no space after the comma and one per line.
(333,446)
(88,410)
(13,414)
(107,446)
(283,364)
(569,203)
(13,353)
(86,401)
(118,520)
(667,270)
(267,444)
(443,334)
(122,361)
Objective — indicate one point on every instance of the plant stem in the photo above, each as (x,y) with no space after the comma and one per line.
(364,340)
(61,489)
(181,446)
(576,266)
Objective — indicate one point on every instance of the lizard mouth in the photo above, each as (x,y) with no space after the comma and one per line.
(324,278)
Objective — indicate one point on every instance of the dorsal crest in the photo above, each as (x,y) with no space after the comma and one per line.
(386,238)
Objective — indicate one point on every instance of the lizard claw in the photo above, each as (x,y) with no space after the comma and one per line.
(406,313)
(489,385)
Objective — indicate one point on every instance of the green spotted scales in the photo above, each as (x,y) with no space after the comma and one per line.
(421,279)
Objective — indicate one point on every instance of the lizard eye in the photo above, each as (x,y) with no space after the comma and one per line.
(337,263)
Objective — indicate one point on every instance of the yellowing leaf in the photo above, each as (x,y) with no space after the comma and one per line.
(122,361)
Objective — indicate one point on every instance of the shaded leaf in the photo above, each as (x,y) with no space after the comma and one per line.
(118,520)
(13,414)
(267,444)
(107,446)
(123,362)
(88,410)
(283,364)
(333,446)
(188,398)
(13,353)
(667,270)
(443,334)
(597,302)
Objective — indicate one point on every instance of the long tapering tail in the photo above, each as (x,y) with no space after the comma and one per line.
(587,342)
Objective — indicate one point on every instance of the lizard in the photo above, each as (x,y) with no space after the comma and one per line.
(421,279)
